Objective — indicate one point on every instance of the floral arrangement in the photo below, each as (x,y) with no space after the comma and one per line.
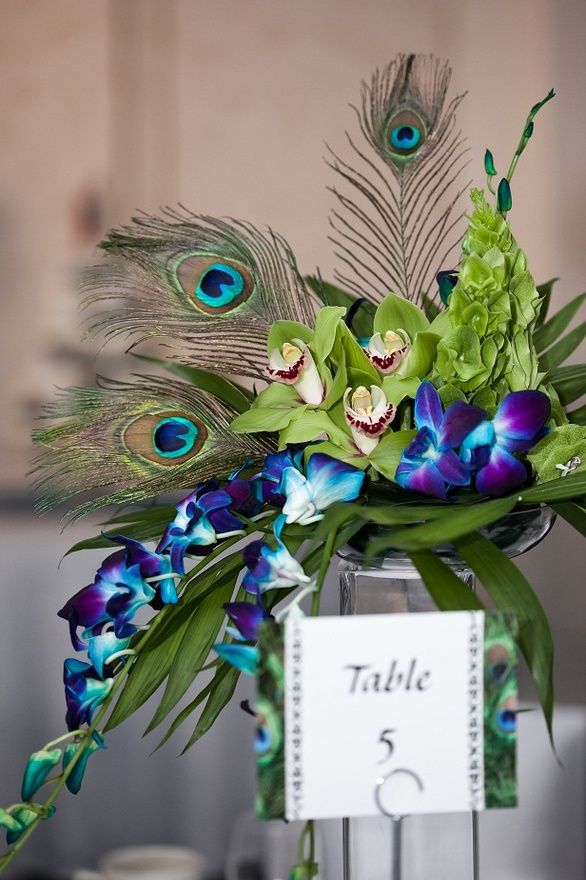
(405,422)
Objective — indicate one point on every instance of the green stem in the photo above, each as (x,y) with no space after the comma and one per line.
(323,570)
(527,132)
(307,833)
(60,739)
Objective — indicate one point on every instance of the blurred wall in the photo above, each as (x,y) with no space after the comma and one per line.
(113,105)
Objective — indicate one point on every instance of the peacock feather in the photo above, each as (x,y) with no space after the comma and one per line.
(212,286)
(397,230)
(125,442)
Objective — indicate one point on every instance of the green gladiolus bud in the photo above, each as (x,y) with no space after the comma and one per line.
(504,198)
(37,769)
(489,164)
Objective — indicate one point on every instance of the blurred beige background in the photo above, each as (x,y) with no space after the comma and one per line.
(112,105)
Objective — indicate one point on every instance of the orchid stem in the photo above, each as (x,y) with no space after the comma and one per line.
(323,570)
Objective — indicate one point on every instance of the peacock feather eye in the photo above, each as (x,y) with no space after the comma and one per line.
(167,438)
(406,133)
(213,285)
(174,437)
(506,720)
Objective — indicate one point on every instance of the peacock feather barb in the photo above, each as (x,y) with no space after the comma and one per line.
(127,442)
(395,232)
(211,286)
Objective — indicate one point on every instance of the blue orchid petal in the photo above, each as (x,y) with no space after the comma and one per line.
(428,408)
(102,646)
(482,435)
(501,474)
(223,521)
(421,444)
(451,469)
(459,420)
(521,415)
(297,491)
(332,480)
(84,691)
(243,657)
(424,478)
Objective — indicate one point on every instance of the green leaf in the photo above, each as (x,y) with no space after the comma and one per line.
(386,456)
(569,382)
(287,331)
(199,636)
(545,291)
(454,524)
(510,591)
(578,416)
(447,590)
(147,674)
(142,525)
(330,295)
(558,353)
(195,703)
(217,700)
(271,419)
(396,313)
(553,329)
(573,513)
(326,327)
(560,489)
(231,393)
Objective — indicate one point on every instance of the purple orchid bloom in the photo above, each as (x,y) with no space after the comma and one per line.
(202,518)
(152,565)
(269,479)
(247,618)
(84,691)
(117,592)
(270,569)
(430,464)
(518,424)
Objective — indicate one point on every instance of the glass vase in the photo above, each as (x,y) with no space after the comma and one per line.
(443,846)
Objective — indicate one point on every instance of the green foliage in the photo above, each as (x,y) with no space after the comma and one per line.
(561,445)
(235,395)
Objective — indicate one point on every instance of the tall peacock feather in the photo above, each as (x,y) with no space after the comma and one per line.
(395,233)
(212,286)
(130,442)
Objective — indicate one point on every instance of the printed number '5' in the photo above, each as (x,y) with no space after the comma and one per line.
(385,739)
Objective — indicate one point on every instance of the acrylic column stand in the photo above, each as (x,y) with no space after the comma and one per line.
(442,847)
(424,847)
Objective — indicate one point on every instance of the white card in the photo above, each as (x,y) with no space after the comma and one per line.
(384,712)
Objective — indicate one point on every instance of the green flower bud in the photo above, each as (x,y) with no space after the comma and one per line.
(489,164)
(504,197)
(37,769)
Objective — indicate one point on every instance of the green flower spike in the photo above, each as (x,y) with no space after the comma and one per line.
(37,769)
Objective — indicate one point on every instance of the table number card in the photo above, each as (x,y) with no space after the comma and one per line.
(400,713)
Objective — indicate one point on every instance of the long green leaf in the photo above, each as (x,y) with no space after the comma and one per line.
(147,674)
(142,526)
(573,513)
(447,590)
(558,353)
(569,382)
(198,637)
(560,489)
(218,700)
(545,291)
(553,329)
(234,395)
(510,591)
(195,703)
(453,524)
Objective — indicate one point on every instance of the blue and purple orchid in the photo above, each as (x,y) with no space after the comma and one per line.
(454,448)
(84,692)
(271,569)
(326,481)
(247,618)
(202,519)
(519,423)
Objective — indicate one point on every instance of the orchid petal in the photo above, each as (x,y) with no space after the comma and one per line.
(38,767)
(521,415)
(243,657)
(247,617)
(459,420)
(297,491)
(428,408)
(424,478)
(332,480)
(452,470)
(76,775)
(501,474)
